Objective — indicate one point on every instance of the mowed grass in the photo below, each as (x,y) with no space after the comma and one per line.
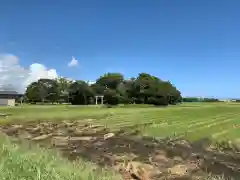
(219,121)
(193,120)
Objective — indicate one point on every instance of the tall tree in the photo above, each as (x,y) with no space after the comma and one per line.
(110,80)
(64,84)
(144,89)
(50,90)
(80,93)
(43,90)
(33,93)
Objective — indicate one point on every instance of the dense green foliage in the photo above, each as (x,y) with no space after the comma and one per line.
(195,99)
(144,89)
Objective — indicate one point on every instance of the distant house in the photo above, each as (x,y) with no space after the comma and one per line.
(7,98)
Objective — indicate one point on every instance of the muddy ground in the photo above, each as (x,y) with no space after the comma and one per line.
(127,152)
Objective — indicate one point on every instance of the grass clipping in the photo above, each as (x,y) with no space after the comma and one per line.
(20,163)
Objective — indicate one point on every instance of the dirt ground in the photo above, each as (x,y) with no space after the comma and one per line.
(127,152)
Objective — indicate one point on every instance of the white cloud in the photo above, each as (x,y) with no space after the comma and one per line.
(13,75)
(91,82)
(73,62)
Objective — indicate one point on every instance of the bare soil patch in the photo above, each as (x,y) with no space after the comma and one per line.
(134,156)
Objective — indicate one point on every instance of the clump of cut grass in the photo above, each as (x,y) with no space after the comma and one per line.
(21,163)
(210,177)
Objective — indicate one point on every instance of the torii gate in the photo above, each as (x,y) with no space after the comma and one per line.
(96,99)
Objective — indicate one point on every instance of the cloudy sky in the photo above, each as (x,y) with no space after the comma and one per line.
(14,76)
(194,44)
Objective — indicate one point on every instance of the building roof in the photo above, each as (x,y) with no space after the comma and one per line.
(9,93)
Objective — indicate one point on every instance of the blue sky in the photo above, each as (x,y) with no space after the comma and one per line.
(194,44)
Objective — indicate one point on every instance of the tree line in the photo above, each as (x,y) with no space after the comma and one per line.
(144,89)
(196,99)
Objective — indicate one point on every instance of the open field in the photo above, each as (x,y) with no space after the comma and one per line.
(22,162)
(113,136)
(193,120)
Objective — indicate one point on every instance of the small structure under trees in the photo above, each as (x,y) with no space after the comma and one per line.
(97,97)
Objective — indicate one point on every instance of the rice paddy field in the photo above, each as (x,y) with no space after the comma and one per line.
(219,121)
(113,143)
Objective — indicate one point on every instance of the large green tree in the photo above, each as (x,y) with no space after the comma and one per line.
(43,90)
(148,89)
(108,85)
(33,93)
(50,88)
(63,85)
(110,80)
(144,89)
(80,93)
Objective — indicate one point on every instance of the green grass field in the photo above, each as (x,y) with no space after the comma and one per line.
(193,120)
(22,163)
(219,121)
